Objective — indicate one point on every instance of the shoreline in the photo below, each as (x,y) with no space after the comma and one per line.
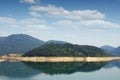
(58,59)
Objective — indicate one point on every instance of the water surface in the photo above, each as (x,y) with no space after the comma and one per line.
(60,71)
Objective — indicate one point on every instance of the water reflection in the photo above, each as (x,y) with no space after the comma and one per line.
(113,64)
(66,68)
(16,69)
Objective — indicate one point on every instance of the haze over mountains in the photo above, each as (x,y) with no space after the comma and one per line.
(22,43)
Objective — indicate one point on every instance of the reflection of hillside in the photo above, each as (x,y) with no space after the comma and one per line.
(113,64)
(15,69)
(67,68)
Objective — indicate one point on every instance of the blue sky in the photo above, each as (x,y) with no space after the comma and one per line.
(84,22)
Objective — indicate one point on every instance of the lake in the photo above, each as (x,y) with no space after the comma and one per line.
(60,71)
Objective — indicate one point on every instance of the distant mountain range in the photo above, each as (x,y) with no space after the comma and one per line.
(111,50)
(116,51)
(108,48)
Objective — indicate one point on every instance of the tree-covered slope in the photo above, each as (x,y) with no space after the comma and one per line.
(55,42)
(66,50)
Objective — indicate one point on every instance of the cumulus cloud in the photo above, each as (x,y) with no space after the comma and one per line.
(60,12)
(29,1)
(89,19)
(74,18)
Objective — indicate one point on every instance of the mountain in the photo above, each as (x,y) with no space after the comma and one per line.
(116,51)
(1,39)
(18,43)
(66,50)
(107,48)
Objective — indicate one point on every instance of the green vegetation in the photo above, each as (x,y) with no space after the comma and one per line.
(68,50)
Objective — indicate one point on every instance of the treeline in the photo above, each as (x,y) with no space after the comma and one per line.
(69,50)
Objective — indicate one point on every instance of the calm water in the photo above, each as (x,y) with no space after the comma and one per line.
(60,71)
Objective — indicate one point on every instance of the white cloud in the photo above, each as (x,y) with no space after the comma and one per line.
(91,24)
(28,1)
(24,24)
(60,12)
(89,19)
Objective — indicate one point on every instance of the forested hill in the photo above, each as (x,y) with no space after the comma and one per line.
(66,50)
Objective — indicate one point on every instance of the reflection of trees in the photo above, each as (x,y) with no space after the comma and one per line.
(67,68)
(15,69)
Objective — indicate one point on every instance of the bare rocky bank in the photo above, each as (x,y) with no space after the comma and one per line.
(58,59)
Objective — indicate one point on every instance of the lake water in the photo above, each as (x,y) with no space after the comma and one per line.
(60,71)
